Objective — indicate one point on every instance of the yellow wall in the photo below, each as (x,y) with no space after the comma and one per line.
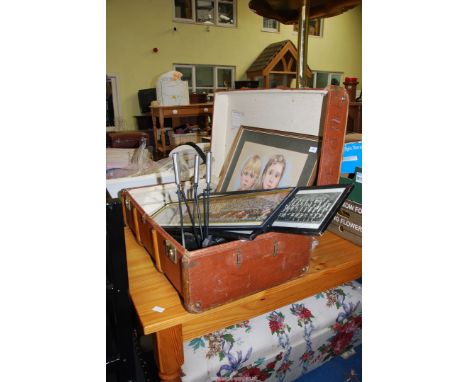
(135,27)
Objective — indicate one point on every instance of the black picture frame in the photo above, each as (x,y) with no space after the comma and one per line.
(309,210)
(255,148)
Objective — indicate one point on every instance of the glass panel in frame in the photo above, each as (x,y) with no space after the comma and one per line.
(315,27)
(335,79)
(204,90)
(311,209)
(224,78)
(225,12)
(322,79)
(270,25)
(183,9)
(205,11)
(204,75)
(186,73)
(233,210)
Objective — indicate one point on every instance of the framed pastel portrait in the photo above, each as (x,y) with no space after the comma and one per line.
(262,159)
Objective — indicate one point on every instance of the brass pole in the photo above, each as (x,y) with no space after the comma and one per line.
(302,43)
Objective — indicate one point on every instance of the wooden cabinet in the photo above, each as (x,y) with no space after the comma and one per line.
(354,118)
(158,113)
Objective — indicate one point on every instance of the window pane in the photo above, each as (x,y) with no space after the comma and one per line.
(224,78)
(205,10)
(186,74)
(261,84)
(277,79)
(270,24)
(204,90)
(225,12)
(183,9)
(322,80)
(314,27)
(335,79)
(204,76)
(109,104)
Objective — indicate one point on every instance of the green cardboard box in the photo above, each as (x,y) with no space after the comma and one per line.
(347,223)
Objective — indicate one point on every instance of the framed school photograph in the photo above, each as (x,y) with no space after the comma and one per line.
(310,210)
(262,159)
(246,210)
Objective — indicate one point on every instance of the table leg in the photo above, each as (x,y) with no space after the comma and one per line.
(176,122)
(162,132)
(169,353)
(155,131)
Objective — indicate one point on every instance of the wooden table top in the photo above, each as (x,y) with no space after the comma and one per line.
(333,262)
(191,105)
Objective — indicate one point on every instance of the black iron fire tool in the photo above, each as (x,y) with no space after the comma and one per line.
(196,206)
(177,181)
(181,194)
(191,217)
(206,201)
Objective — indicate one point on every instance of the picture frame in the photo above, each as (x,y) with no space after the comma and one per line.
(251,210)
(309,210)
(291,158)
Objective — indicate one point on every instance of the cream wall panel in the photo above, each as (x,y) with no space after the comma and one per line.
(134,28)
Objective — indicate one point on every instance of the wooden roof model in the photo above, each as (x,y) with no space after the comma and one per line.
(279,57)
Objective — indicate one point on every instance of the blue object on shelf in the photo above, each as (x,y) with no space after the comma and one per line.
(352,157)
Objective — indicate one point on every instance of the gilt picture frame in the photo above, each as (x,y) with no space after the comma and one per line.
(263,158)
(240,210)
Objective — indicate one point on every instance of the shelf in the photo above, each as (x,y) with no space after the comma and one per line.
(167,148)
(175,112)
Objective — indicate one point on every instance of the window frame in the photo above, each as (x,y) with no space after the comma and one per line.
(330,74)
(321,22)
(116,103)
(209,90)
(193,20)
(271,30)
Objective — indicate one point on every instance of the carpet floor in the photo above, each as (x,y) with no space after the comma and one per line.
(337,370)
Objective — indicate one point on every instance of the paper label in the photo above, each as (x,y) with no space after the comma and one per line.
(359,177)
(236,119)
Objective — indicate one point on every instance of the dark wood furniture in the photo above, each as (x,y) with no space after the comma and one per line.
(127,139)
(159,113)
(354,118)
(144,121)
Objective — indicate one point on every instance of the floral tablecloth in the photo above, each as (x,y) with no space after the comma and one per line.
(281,345)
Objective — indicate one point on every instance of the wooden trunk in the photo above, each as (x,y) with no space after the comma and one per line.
(212,276)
